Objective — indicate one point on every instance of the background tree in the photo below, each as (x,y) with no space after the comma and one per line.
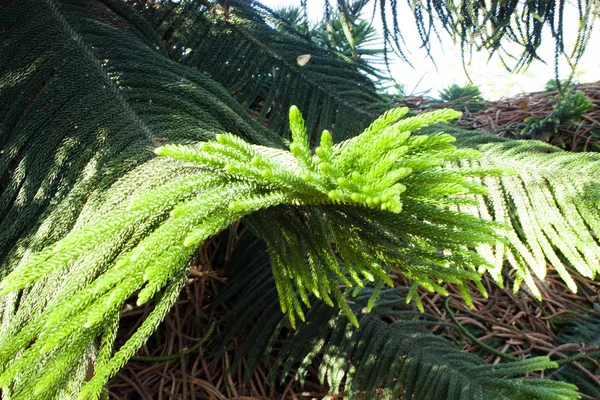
(343,32)
(93,222)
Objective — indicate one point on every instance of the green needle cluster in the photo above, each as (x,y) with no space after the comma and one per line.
(326,215)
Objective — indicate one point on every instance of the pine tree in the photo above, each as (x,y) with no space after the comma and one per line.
(119,158)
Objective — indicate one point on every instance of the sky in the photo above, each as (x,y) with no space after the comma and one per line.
(493,79)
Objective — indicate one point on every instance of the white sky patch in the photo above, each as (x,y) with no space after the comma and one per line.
(490,75)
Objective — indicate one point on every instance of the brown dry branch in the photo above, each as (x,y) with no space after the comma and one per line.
(517,323)
(506,118)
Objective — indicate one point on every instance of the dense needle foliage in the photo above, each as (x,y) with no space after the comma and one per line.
(92,221)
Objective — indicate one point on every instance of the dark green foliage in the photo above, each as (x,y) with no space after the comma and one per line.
(463,98)
(455,92)
(56,152)
(346,33)
(293,20)
(480,25)
(569,108)
(91,220)
(269,70)
(390,355)
(559,85)
(580,334)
